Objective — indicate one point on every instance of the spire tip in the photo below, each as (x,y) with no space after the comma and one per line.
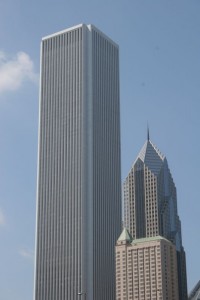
(148,138)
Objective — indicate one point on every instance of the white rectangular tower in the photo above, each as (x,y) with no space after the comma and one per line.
(79,184)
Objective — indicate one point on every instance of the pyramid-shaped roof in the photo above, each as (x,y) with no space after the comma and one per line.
(151,156)
(125,236)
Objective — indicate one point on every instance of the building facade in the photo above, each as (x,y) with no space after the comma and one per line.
(195,293)
(150,204)
(79,183)
(146,268)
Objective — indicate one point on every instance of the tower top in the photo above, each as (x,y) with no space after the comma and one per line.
(151,156)
(148,132)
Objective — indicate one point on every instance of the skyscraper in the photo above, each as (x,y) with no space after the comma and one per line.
(195,293)
(150,204)
(78,193)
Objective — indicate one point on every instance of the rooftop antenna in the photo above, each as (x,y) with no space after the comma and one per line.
(148,132)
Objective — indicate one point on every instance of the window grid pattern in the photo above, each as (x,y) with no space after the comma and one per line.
(150,204)
(146,270)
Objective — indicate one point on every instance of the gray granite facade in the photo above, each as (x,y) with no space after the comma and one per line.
(79,183)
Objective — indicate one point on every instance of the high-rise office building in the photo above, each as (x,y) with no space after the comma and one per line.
(79,184)
(146,268)
(195,293)
(150,204)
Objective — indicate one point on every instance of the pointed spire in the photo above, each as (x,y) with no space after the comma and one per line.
(148,132)
(125,236)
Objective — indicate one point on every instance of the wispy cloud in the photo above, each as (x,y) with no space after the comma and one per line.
(2,218)
(26,253)
(15,70)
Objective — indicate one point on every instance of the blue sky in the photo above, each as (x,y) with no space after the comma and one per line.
(160,84)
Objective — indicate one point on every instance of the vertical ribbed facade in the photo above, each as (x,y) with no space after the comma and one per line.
(105,139)
(78,194)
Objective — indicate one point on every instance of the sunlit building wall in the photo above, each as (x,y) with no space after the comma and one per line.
(79,183)
(146,269)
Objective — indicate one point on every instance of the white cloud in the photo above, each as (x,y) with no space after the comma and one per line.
(26,253)
(14,71)
(2,218)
